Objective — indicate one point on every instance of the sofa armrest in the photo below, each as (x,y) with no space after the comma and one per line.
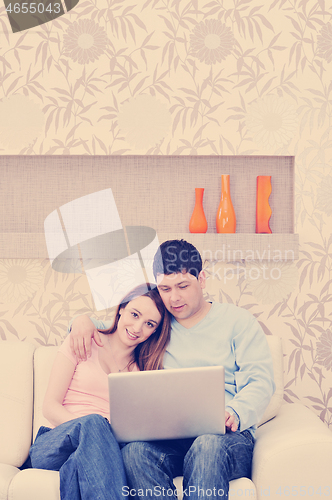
(293,455)
(16,401)
(7,473)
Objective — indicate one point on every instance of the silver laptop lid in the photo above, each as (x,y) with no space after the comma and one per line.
(167,404)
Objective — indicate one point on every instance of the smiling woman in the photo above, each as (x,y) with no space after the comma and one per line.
(77,399)
(141,329)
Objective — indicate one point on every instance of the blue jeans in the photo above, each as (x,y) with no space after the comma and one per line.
(87,455)
(207,464)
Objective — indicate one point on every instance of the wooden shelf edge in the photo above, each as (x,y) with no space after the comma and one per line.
(223,247)
(241,246)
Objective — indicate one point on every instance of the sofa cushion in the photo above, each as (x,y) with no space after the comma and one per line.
(7,472)
(275,346)
(35,484)
(293,455)
(239,489)
(16,395)
(43,360)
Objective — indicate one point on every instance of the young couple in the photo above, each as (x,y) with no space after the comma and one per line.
(144,336)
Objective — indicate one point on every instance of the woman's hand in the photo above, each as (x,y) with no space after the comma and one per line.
(82,332)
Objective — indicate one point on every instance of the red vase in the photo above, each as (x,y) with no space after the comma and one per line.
(198,223)
(263,209)
(226,219)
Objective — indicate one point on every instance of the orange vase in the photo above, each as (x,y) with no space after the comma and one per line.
(226,219)
(198,223)
(263,209)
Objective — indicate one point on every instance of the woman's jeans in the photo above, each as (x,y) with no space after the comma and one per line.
(87,455)
(207,464)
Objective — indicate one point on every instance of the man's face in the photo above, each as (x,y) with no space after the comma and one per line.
(182,293)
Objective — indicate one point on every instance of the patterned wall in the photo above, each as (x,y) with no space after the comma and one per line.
(185,77)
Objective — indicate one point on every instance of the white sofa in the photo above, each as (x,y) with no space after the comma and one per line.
(292,456)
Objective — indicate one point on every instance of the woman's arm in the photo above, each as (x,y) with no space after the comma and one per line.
(60,378)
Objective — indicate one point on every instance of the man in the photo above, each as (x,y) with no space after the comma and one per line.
(203,334)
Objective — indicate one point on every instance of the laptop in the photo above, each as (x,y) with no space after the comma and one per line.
(167,404)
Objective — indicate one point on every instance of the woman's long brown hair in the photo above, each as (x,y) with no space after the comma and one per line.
(149,354)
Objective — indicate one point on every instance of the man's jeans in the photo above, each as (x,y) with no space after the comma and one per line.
(87,455)
(207,464)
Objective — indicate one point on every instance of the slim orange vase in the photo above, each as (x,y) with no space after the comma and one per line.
(226,219)
(198,223)
(263,209)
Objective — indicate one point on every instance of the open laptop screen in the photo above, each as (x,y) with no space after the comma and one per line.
(167,404)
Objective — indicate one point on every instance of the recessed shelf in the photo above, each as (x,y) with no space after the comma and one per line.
(154,191)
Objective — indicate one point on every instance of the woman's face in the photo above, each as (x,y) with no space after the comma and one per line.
(138,320)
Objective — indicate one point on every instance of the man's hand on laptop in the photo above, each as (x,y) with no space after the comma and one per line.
(231,422)
(81,334)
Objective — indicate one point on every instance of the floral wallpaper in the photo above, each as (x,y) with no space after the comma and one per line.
(178,77)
